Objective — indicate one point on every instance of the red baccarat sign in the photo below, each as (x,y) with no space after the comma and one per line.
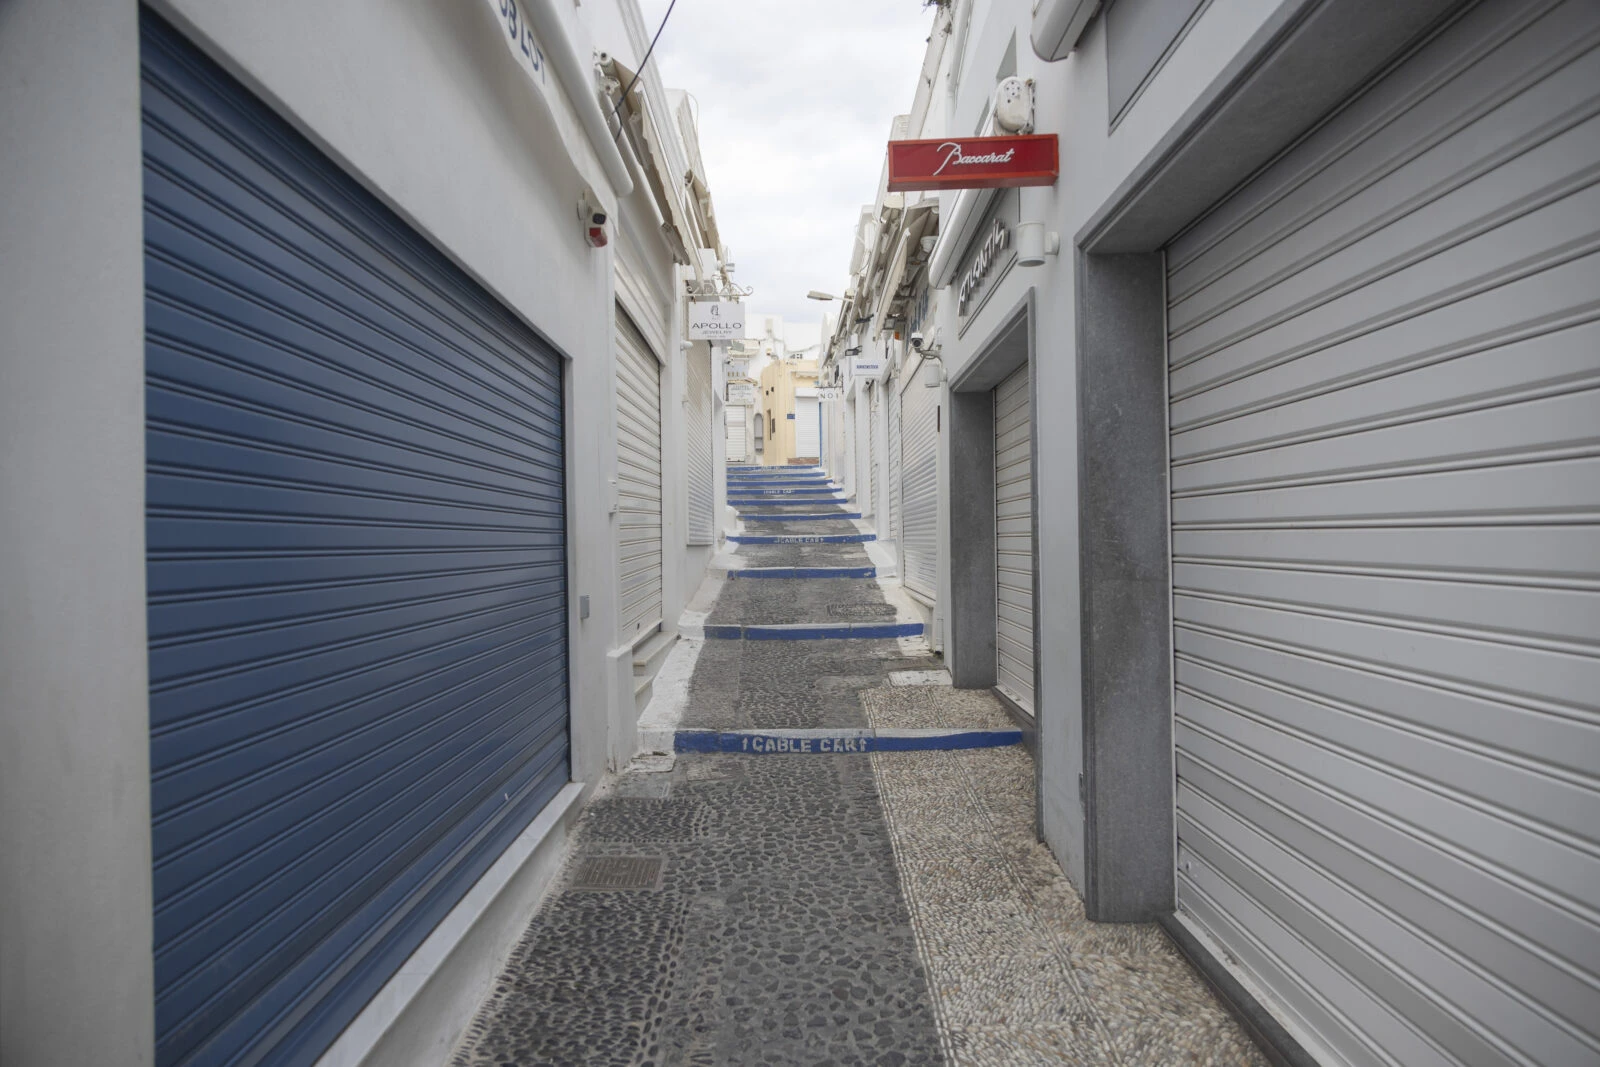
(974,162)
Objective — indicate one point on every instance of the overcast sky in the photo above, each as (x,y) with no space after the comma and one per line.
(796,97)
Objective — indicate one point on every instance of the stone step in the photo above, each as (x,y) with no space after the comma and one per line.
(648,656)
(803,572)
(807,517)
(802,539)
(811,631)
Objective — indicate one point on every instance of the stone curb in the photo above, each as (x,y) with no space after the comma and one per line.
(831,742)
(810,631)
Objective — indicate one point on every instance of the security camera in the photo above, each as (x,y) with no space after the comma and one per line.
(593,217)
(916,340)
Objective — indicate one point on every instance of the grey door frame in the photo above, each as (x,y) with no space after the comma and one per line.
(973,625)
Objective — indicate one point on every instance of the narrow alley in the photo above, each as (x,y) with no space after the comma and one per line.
(726,533)
(838,866)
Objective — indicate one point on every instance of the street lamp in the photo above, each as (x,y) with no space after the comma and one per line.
(817,294)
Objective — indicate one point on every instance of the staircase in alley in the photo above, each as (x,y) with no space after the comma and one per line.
(825,854)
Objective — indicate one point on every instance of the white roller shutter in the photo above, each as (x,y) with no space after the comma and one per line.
(807,427)
(872,457)
(697,436)
(919,489)
(1385,419)
(847,432)
(638,483)
(1013,529)
(737,419)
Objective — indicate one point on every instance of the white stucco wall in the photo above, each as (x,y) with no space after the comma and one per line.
(426,106)
(76,977)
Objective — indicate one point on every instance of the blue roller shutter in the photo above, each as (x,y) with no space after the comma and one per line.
(356,565)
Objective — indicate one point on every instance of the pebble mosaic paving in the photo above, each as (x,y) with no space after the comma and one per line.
(1018,976)
(891,910)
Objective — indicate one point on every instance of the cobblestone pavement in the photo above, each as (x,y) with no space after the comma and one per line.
(839,910)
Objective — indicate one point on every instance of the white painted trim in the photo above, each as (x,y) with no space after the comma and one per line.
(435,993)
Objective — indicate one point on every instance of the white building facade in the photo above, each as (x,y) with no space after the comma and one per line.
(356,471)
(1246,454)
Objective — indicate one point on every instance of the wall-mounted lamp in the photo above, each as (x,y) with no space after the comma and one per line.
(1034,243)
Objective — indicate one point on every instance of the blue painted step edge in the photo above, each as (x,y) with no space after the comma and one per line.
(825,742)
(804,572)
(804,631)
(802,539)
(803,518)
(790,501)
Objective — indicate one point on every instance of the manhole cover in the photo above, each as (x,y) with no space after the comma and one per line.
(861,611)
(618,872)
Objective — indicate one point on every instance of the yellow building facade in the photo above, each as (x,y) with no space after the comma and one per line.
(789,414)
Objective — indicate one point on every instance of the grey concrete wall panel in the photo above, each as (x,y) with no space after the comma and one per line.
(1385,435)
(76,973)
(638,493)
(971,648)
(1307,57)
(1012,451)
(1122,485)
(919,487)
(1140,35)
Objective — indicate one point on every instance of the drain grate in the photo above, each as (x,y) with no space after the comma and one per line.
(603,873)
(861,611)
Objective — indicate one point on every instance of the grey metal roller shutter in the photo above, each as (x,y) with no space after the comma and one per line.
(697,433)
(1013,529)
(1385,432)
(356,571)
(894,464)
(638,483)
(920,489)
(737,419)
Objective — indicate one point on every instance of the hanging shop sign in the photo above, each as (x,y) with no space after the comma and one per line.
(974,162)
(741,394)
(866,367)
(830,392)
(735,368)
(716,320)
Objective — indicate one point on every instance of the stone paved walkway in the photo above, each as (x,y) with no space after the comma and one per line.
(843,910)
